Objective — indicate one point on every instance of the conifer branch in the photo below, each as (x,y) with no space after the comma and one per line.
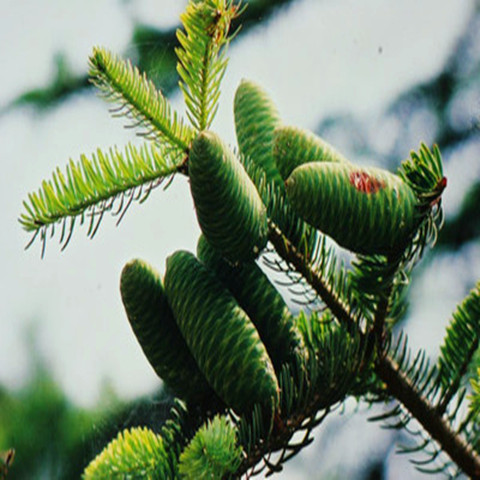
(213,449)
(459,347)
(400,387)
(374,280)
(475,397)
(391,270)
(291,255)
(310,390)
(108,181)
(135,450)
(201,56)
(336,358)
(138,100)
(380,317)
(456,381)
(398,384)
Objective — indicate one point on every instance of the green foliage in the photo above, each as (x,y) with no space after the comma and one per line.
(201,58)
(459,346)
(139,100)
(337,366)
(424,173)
(141,452)
(475,397)
(212,453)
(108,181)
(46,431)
(221,337)
(91,187)
(310,388)
(135,454)
(223,322)
(233,205)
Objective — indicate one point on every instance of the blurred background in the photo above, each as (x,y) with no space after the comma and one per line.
(374,78)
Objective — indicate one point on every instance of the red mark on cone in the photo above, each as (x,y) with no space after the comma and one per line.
(442,184)
(365,183)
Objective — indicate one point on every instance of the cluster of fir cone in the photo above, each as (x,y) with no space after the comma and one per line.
(215,329)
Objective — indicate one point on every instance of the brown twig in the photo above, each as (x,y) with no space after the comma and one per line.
(291,255)
(397,383)
(400,387)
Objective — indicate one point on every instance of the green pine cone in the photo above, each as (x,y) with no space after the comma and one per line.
(294,146)
(229,209)
(366,210)
(154,326)
(221,337)
(262,303)
(256,118)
